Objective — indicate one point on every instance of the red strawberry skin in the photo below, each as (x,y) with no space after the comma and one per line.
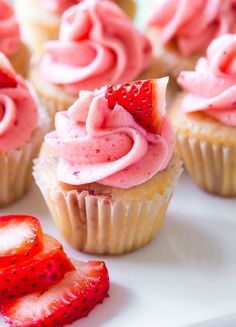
(27,239)
(36,274)
(6,80)
(73,298)
(140,98)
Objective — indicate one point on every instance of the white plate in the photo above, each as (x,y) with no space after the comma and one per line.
(186,276)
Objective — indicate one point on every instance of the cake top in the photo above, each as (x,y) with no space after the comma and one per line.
(98,45)
(9,29)
(212,86)
(193,26)
(18,111)
(117,136)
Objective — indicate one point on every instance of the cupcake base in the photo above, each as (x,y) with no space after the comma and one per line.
(53,97)
(16,169)
(38,25)
(128,6)
(104,220)
(21,60)
(208,149)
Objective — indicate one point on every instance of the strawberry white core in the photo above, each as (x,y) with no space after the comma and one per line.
(13,235)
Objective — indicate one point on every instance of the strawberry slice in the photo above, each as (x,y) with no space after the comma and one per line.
(36,274)
(145,100)
(7,73)
(73,298)
(21,237)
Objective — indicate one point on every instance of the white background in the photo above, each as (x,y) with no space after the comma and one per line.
(186,276)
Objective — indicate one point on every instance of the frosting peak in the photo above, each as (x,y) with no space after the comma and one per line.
(212,86)
(18,111)
(193,26)
(98,45)
(97,144)
(9,29)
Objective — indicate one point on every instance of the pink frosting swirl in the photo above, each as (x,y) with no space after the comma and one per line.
(97,144)
(98,45)
(9,29)
(57,7)
(212,86)
(193,26)
(18,111)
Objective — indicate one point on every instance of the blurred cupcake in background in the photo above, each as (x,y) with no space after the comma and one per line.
(108,172)
(40,19)
(10,39)
(204,118)
(181,30)
(98,45)
(22,127)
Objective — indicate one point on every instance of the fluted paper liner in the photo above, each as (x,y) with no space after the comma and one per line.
(16,165)
(211,166)
(102,225)
(16,170)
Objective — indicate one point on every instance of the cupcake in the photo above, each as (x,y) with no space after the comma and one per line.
(204,118)
(10,42)
(181,32)
(107,172)
(21,134)
(41,18)
(98,45)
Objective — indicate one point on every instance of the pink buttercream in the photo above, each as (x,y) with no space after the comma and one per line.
(194,24)
(57,7)
(9,29)
(98,45)
(212,86)
(97,144)
(18,112)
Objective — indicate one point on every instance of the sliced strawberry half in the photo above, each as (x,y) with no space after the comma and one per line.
(36,274)
(21,237)
(7,73)
(145,100)
(73,298)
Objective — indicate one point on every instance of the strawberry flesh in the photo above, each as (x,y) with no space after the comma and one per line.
(140,99)
(21,237)
(37,273)
(72,298)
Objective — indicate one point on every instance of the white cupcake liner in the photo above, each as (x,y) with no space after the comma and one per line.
(211,166)
(102,224)
(16,165)
(16,169)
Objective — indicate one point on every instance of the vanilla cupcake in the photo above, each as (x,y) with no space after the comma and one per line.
(205,118)
(98,45)
(10,42)
(21,133)
(40,19)
(181,32)
(107,172)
